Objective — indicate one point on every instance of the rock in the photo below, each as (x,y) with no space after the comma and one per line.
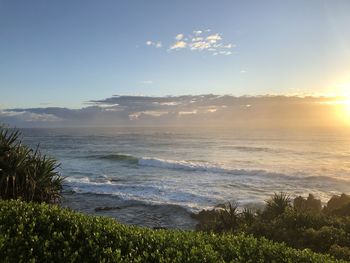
(106,208)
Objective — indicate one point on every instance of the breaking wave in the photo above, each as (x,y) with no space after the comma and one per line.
(206,167)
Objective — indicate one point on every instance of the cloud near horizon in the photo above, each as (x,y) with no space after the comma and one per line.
(188,110)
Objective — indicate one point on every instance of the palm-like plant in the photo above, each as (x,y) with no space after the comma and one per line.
(25,173)
(277,205)
(227,217)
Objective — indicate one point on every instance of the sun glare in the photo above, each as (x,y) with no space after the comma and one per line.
(341,104)
(344,104)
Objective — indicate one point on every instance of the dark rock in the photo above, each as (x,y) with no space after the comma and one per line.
(106,208)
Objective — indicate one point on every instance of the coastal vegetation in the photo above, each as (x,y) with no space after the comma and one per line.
(25,173)
(301,224)
(32,232)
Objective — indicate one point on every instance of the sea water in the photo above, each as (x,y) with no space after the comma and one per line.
(157,177)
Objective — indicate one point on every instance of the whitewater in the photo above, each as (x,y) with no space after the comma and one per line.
(158,177)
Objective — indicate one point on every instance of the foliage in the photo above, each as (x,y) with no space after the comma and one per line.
(31,232)
(26,173)
(310,204)
(277,205)
(337,204)
(303,225)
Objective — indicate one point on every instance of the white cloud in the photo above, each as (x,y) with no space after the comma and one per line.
(227,53)
(188,112)
(156,44)
(201,40)
(200,45)
(197,32)
(229,46)
(243,71)
(178,45)
(172,103)
(214,38)
(197,39)
(137,115)
(179,36)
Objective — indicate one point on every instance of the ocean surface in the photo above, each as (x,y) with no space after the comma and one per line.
(157,176)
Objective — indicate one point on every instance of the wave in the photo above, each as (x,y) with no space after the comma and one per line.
(195,166)
(204,166)
(185,165)
(148,194)
(117,157)
(218,169)
(253,149)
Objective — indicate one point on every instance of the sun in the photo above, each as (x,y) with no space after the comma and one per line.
(340,104)
(343,104)
(347,106)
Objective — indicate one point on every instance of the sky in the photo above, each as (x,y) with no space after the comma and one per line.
(66,53)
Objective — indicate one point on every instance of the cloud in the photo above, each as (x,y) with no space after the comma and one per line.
(214,38)
(179,37)
(156,44)
(187,110)
(178,45)
(200,45)
(200,40)
(27,116)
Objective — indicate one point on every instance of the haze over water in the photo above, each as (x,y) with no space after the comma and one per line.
(157,175)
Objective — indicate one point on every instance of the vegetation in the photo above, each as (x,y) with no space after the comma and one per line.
(26,173)
(301,225)
(31,232)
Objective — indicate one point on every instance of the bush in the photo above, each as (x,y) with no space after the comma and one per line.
(303,226)
(26,173)
(276,205)
(307,205)
(32,232)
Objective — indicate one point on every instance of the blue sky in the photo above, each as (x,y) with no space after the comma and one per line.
(64,53)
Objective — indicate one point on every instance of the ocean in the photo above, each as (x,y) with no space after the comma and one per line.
(157,177)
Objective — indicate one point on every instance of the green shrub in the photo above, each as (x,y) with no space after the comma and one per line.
(277,205)
(26,173)
(31,232)
(301,226)
(311,204)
